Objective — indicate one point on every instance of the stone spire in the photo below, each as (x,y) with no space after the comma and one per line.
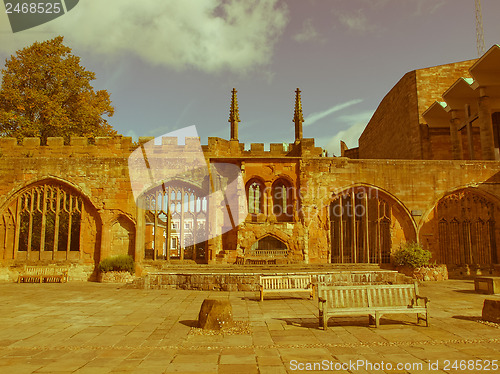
(298,118)
(234,115)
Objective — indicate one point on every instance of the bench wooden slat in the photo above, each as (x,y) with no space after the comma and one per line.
(373,300)
(40,274)
(283,283)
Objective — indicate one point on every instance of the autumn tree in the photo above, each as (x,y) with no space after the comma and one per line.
(46,92)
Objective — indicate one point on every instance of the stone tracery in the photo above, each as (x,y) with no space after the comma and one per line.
(176,219)
(466,229)
(43,223)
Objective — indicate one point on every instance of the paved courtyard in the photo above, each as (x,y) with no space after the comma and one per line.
(103,328)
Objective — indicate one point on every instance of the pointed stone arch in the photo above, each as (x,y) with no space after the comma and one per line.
(256,197)
(461,228)
(283,199)
(367,224)
(49,220)
(175,222)
(269,245)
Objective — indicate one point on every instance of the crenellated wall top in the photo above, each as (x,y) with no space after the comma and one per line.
(122,146)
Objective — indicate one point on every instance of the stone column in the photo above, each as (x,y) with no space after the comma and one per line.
(486,126)
(456,139)
(139,235)
(268,199)
(106,217)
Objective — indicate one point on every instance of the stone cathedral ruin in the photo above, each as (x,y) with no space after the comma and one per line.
(426,170)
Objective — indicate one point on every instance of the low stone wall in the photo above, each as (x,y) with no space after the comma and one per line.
(115,277)
(426,273)
(471,271)
(250,281)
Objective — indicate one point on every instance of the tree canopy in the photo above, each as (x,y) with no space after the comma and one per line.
(46,92)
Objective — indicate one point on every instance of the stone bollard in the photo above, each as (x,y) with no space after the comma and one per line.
(491,310)
(215,314)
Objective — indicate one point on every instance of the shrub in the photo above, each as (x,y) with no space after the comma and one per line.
(411,254)
(117,263)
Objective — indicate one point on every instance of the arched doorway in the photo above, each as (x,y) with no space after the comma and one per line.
(269,245)
(365,224)
(175,222)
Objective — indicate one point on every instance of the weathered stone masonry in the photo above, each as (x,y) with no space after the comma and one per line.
(98,173)
(75,203)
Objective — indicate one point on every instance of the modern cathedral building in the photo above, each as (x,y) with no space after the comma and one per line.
(426,170)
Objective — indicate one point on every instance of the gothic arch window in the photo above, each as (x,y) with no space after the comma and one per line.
(44,223)
(282,194)
(467,233)
(362,221)
(176,221)
(255,195)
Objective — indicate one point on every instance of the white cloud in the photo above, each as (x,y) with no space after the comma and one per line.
(356,21)
(308,33)
(350,135)
(315,117)
(355,117)
(208,35)
(425,7)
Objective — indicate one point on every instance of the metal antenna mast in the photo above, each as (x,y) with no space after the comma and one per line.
(479,28)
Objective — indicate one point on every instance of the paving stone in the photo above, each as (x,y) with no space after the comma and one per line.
(95,340)
(238,368)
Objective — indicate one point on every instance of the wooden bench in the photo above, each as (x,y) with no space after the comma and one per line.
(40,274)
(371,300)
(286,283)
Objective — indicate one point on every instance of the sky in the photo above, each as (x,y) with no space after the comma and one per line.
(169,64)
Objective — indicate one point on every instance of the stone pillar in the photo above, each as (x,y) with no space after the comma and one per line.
(140,235)
(212,223)
(486,127)
(456,139)
(268,199)
(106,218)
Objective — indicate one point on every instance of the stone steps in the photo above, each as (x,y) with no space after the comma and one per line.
(246,277)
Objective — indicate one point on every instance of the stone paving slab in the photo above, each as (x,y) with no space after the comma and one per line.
(104,328)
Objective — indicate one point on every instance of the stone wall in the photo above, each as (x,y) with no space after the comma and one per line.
(433,81)
(100,174)
(394,130)
(249,281)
